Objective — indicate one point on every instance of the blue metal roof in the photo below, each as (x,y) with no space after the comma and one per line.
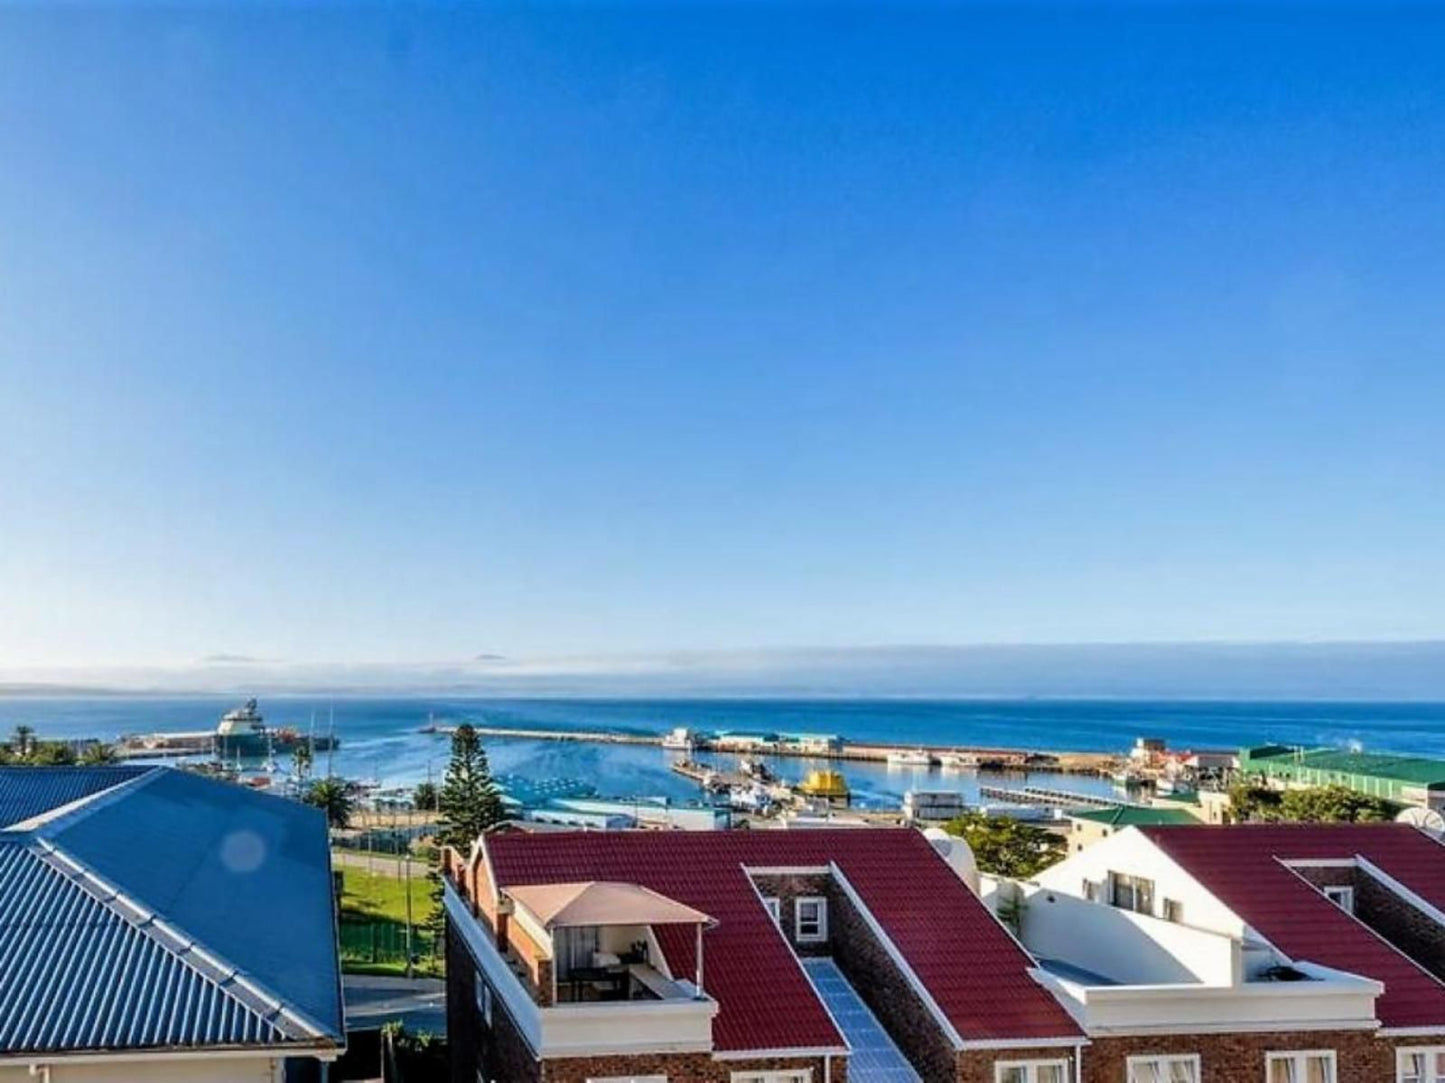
(174,911)
(77,974)
(30,791)
(246,874)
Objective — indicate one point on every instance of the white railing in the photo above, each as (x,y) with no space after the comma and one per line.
(571,1030)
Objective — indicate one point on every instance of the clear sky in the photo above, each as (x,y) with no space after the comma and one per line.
(414,334)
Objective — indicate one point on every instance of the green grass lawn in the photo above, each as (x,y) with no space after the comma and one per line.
(384,897)
(373,922)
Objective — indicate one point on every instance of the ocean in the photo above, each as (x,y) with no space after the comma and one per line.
(380,738)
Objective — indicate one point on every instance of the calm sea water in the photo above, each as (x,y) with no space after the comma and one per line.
(380,738)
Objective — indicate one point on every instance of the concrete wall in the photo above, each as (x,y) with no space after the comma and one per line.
(159,1070)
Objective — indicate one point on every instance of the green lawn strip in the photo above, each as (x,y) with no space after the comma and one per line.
(373,922)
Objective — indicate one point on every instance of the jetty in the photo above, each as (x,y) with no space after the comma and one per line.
(1043,795)
(814,747)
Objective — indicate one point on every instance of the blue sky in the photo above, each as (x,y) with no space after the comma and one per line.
(411,334)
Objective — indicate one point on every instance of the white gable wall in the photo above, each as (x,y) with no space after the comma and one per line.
(1132,853)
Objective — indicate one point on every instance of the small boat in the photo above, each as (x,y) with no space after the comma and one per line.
(830,785)
(913,758)
(755,769)
(958,761)
(680,739)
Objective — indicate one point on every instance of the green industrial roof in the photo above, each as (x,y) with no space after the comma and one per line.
(1129,816)
(1412,769)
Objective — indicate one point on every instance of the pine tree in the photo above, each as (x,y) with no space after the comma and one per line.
(468,804)
(470,801)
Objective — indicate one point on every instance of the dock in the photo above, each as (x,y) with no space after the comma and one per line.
(988,759)
(1042,795)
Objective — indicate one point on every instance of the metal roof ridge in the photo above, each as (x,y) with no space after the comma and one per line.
(190,951)
(73,812)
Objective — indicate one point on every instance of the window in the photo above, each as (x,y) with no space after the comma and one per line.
(795,1075)
(810,919)
(1174,1068)
(1421,1065)
(1314,1066)
(775,908)
(484,997)
(1173,910)
(1131,893)
(1031,1071)
(1343,897)
(1091,890)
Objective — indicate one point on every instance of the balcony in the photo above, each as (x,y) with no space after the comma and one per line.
(580,977)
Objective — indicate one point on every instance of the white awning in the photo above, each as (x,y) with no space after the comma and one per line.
(599,902)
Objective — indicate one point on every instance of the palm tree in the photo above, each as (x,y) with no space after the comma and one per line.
(23,741)
(301,760)
(333,796)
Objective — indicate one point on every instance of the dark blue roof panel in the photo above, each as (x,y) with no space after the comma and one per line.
(76,973)
(26,792)
(246,874)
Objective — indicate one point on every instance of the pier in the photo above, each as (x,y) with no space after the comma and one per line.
(993,759)
(1042,795)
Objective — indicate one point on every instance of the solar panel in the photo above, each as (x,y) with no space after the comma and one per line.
(874,1059)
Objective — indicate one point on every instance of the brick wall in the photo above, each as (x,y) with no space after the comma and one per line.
(498,1052)
(862,957)
(1238,1058)
(1411,930)
(787,890)
(534,960)
(980,1065)
(682,1068)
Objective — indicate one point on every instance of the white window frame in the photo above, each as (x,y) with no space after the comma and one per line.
(775,908)
(785,1075)
(482,992)
(1166,1061)
(1300,1057)
(1341,895)
(1427,1051)
(1030,1067)
(822,933)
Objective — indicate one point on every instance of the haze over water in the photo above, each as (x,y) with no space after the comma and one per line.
(381,739)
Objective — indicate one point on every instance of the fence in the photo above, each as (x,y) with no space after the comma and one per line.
(384,943)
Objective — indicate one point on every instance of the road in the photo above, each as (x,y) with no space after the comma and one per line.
(371,1001)
(378,864)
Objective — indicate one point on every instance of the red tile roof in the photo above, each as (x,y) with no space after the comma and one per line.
(970,966)
(1245,867)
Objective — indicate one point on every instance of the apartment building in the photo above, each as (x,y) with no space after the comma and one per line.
(159,926)
(1161,954)
(1289,954)
(738,957)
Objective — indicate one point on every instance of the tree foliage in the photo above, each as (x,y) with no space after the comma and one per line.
(469,801)
(333,796)
(26,750)
(1007,847)
(99,755)
(1313,805)
(425,796)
